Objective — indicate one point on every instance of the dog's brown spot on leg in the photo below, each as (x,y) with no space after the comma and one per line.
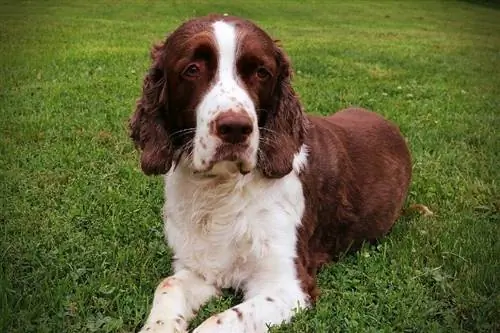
(269,299)
(168,282)
(218,321)
(238,313)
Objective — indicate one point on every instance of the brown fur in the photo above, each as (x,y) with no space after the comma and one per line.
(355,186)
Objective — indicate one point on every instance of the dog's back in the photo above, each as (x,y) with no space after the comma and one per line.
(379,154)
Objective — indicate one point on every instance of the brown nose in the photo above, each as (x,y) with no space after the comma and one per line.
(233,127)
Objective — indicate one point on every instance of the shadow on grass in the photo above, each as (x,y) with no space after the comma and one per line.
(493,4)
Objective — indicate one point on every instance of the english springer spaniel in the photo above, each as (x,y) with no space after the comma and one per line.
(259,195)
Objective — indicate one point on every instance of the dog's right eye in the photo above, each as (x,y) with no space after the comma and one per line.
(262,73)
(192,71)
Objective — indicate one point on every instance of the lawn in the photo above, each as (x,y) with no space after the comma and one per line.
(81,239)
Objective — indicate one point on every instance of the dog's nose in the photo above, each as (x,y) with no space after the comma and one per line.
(233,127)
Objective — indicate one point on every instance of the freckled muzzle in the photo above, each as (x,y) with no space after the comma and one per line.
(230,143)
(234,133)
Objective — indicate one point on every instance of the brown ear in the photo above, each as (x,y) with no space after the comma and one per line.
(284,127)
(148,127)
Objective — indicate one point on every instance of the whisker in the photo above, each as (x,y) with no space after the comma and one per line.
(266,142)
(268,130)
(190,129)
(183,131)
(267,139)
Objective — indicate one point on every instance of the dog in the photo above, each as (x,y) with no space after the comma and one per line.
(259,195)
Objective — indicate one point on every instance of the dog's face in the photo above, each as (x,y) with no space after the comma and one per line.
(216,97)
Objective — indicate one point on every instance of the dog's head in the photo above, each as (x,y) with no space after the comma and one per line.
(218,98)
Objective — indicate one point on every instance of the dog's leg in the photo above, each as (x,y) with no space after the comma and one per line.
(268,303)
(175,301)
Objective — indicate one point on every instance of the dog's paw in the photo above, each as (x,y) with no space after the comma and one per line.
(229,321)
(177,325)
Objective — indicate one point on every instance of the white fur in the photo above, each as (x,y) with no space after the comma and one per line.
(226,94)
(231,231)
(300,159)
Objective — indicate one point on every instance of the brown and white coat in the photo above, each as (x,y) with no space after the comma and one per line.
(259,195)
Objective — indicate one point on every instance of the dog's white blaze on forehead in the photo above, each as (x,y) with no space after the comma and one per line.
(225,37)
(226,92)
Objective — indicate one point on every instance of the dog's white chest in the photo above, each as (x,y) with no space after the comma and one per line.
(224,231)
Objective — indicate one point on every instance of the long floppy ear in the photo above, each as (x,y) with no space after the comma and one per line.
(148,127)
(284,126)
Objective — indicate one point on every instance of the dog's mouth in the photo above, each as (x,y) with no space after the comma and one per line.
(230,159)
(225,168)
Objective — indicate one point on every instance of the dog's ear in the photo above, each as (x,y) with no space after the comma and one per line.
(148,127)
(284,127)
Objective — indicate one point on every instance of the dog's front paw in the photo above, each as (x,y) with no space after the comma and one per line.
(230,321)
(212,325)
(178,325)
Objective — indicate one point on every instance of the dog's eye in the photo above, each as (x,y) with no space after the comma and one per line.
(262,73)
(192,71)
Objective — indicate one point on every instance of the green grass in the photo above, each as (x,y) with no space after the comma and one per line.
(81,244)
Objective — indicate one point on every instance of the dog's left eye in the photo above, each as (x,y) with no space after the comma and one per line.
(192,71)
(262,73)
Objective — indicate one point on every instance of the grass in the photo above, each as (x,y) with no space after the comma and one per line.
(81,242)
